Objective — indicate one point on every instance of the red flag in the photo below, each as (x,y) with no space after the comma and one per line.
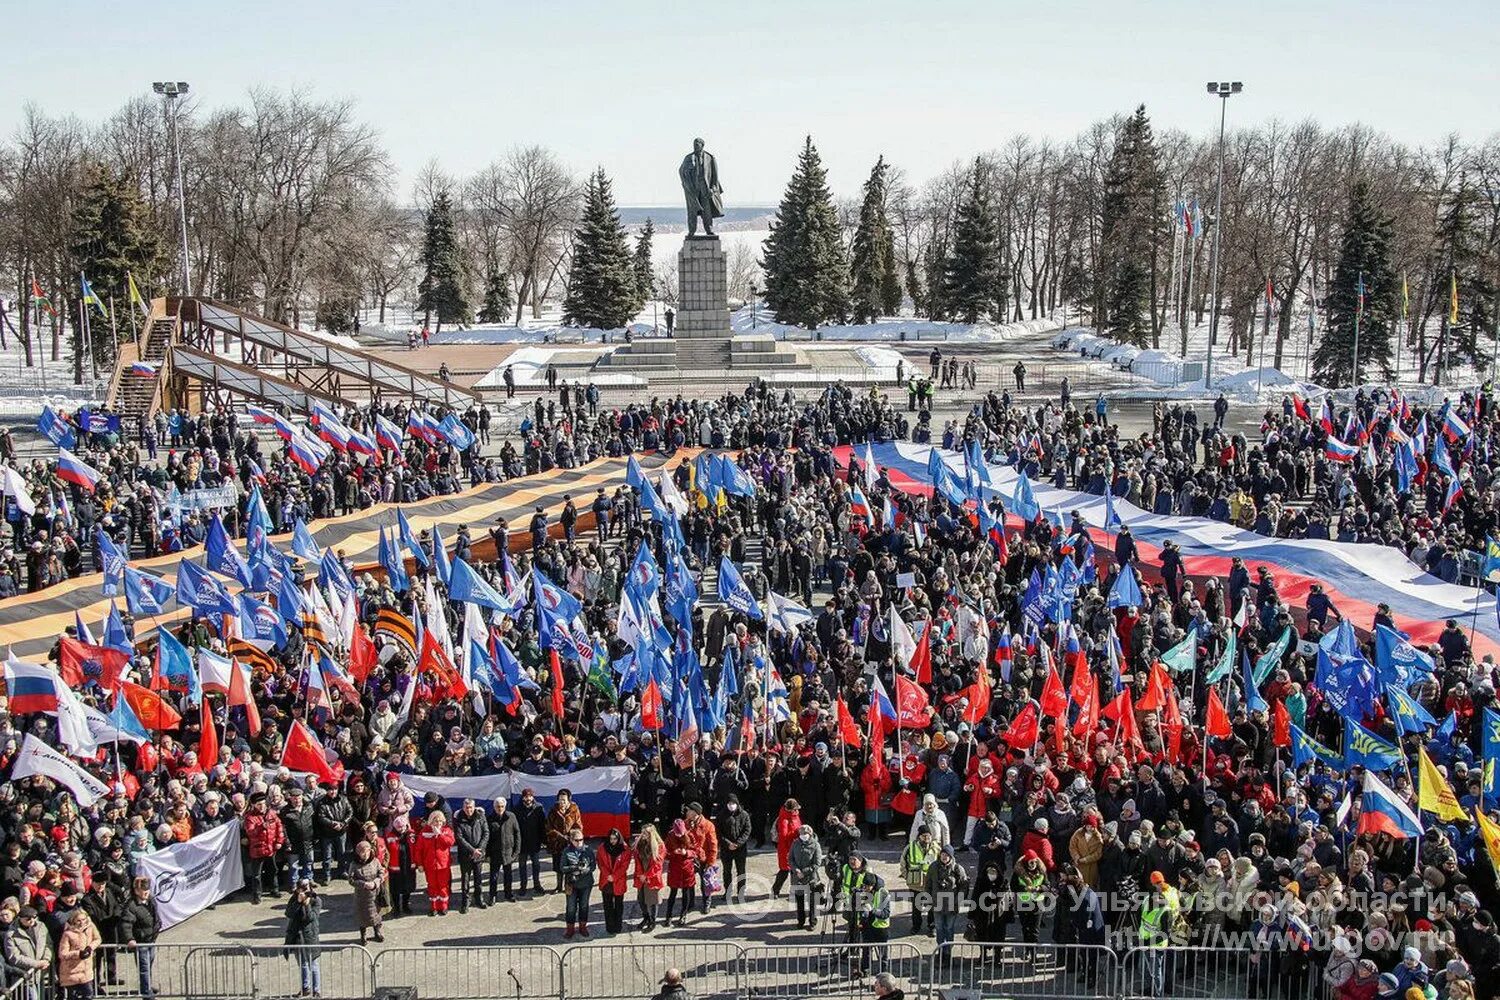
(155,714)
(1158,685)
(1122,711)
(651,705)
(435,660)
(1083,678)
(848,730)
(912,708)
(78,663)
(1281,726)
(558,705)
(1300,408)
(1088,712)
(1054,699)
(1217,723)
(362,655)
(303,752)
(1022,732)
(208,736)
(239,694)
(978,707)
(921,660)
(1060,734)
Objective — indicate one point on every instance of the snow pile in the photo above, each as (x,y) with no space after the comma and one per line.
(882,361)
(24,391)
(760,319)
(529,367)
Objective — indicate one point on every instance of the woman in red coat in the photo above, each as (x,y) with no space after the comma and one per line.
(682,870)
(877,784)
(435,850)
(788,822)
(402,860)
(613,859)
(648,856)
(985,784)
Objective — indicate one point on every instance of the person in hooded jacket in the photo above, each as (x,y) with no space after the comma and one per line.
(732,825)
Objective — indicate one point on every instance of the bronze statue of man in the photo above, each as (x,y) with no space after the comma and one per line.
(700,186)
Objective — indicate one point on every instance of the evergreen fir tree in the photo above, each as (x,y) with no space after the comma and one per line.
(973,281)
(602,286)
(807,276)
(1131,221)
(113,236)
(642,264)
(872,263)
(1460,262)
(890,285)
(496,307)
(1364,260)
(441,291)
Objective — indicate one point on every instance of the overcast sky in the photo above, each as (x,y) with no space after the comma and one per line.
(627,84)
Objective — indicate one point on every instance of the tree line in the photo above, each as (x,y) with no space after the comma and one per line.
(292,209)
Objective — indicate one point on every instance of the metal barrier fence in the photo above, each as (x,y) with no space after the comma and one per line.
(713,971)
(839,971)
(450,973)
(1215,974)
(1063,972)
(162,966)
(626,972)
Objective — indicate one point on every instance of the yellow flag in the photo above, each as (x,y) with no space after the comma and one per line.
(1434,794)
(1490,831)
(1405,296)
(1453,299)
(136,299)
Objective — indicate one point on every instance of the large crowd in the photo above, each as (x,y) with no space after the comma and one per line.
(1020,806)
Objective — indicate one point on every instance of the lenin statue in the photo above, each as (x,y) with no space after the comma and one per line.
(700,186)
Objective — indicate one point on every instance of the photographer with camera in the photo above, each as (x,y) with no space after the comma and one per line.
(805,857)
(301,939)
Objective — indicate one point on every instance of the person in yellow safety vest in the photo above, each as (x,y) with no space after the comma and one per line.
(1030,883)
(919,856)
(851,877)
(1160,917)
(873,905)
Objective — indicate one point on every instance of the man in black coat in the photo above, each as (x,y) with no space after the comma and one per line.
(471,834)
(533,821)
(732,825)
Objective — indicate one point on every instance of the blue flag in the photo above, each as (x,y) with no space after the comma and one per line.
(303,544)
(465,585)
(1364,748)
(115,636)
(124,720)
(1396,659)
(551,598)
(634,477)
(440,562)
(393,564)
(175,665)
(1406,712)
(145,594)
(1126,593)
(331,573)
(1112,520)
(112,562)
(1031,601)
(289,602)
(409,540)
(56,429)
(222,556)
(1253,700)
(196,589)
(1305,748)
(1023,502)
(645,574)
(457,432)
(1489,747)
(734,592)
(260,622)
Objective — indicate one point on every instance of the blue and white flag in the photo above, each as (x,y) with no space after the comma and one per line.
(303,544)
(196,589)
(221,554)
(145,594)
(734,592)
(112,562)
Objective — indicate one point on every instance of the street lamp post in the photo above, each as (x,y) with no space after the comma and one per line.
(170,92)
(754,307)
(1223,91)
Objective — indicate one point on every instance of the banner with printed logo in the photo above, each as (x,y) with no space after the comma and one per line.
(189,877)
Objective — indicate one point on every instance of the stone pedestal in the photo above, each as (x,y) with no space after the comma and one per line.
(702,339)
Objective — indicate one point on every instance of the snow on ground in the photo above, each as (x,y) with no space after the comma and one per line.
(25,391)
(529,366)
(759,319)
(882,361)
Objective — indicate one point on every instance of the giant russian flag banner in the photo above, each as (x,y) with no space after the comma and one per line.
(602,794)
(1356,576)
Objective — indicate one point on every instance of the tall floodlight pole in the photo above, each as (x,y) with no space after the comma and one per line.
(170,92)
(1223,91)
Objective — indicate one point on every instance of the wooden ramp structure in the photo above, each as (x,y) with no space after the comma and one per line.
(208,353)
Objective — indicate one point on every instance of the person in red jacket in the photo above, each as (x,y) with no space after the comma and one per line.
(705,839)
(263,836)
(985,784)
(788,822)
(682,870)
(401,862)
(877,785)
(436,854)
(1038,845)
(648,857)
(613,860)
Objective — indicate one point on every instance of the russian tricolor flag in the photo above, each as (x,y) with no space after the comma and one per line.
(387,433)
(858,505)
(32,687)
(304,452)
(144,369)
(1325,417)
(361,444)
(1382,812)
(1337,451)
(1454,426)
(72,469)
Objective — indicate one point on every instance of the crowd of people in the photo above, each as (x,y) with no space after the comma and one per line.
(1013,814)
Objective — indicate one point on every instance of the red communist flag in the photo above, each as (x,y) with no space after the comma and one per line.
(558,704)
(921,660)
(1122,711)
(651,705)
(1281,726)
(848,728)
(303,752)
(362,655)
(1088,712)
(1022,732)
(912,709)
(435,660)
(155,714)
(208,736)
(79,663)
(1217,723)
(1054,698)
(1158,684)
